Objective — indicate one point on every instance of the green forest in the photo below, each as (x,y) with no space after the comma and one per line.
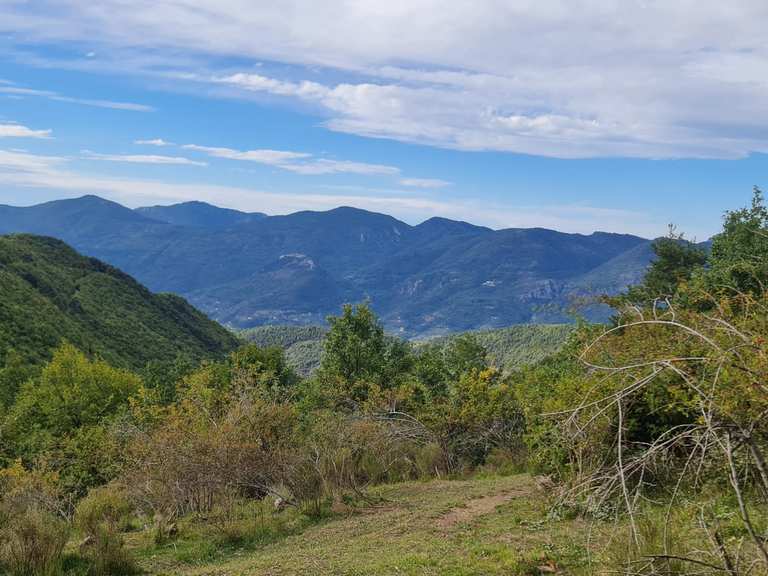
(633,447)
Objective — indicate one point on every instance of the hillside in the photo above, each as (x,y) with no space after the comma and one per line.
(508,348)
(303,345)
(516,346)
(435,278)
(51,293)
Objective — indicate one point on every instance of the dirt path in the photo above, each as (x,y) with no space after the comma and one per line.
(477,507)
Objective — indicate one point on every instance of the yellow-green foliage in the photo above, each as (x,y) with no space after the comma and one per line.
(63,415)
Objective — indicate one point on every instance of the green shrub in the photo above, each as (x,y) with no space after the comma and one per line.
(655,549)
(429,460)
(505,461)
(105,505)
(32,544)
(101,516)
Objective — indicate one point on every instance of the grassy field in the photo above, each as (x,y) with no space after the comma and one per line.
(485,526)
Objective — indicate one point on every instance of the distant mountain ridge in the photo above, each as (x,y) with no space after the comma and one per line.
(437,277)
(199,214)
(50,294)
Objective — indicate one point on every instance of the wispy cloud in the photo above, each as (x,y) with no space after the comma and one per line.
(154,142)
(10,130)
(271,157)
(297,162)
(13,90)
(424,183)
(324,166)
(463,117)
(16,162)
(141,158)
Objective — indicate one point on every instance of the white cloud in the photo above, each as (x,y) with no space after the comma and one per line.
(325,166)
(130,106)
(20,91)
(641,78)
(474,120)
(28,171)
(298,162)
(424,183)
(153,142)
(271,157)
(17,162)
(19,131)
(141,159)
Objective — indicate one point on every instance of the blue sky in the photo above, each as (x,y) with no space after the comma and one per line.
(619,116)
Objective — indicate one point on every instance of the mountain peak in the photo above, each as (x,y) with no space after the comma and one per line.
(354,211)
(345,216)
(89,205)
(198,214)
(446,224)
(85,200)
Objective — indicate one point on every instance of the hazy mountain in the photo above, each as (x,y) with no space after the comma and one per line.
(437,277)
(199,215)
(89,218)
(51,293)
(94,226)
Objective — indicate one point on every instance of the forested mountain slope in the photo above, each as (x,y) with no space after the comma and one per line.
(303,345)
(50,293)
(516,346)
(437,277)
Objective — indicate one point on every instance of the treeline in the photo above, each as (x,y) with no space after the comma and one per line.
(303,345)
(282,336)
(508,349)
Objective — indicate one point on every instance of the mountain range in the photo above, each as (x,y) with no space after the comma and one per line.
(250,269)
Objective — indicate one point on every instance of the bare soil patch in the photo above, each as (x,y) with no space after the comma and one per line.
(477,507)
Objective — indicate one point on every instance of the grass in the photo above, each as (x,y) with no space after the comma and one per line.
(488,525)
(404,535)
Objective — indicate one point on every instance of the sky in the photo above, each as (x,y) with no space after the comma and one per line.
(576,115)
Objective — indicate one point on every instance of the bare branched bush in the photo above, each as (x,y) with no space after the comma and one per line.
(346,454)
(676,399)
(198,456)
